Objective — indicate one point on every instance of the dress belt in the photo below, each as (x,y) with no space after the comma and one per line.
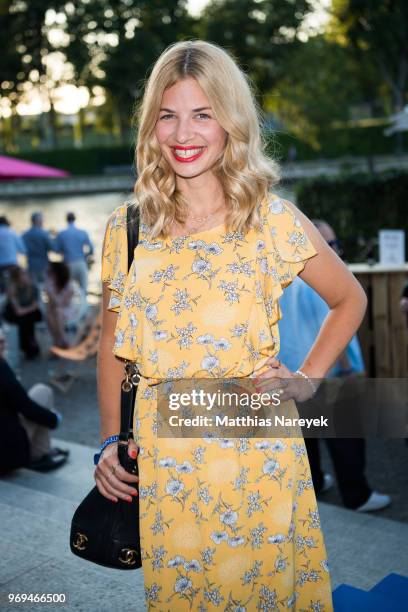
(259,368)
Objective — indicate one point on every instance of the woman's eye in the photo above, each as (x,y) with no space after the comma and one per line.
(168,116)
(203,116)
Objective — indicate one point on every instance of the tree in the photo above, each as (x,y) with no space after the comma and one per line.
(377,31)
(320,85)
(259,33)
(113,43)
(25,47)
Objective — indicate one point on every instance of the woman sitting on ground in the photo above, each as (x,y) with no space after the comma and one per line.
(64,301)
(25,423)
(22,309)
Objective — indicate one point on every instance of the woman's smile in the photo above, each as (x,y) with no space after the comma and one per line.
(187,154)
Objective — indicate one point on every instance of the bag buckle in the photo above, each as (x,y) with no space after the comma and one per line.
(132,376)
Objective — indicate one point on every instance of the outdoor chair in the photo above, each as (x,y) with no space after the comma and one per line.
(86,349)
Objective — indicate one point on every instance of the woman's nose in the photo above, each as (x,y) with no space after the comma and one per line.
(184,131)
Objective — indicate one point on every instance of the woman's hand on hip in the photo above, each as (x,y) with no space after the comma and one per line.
(112,480)
(280,380)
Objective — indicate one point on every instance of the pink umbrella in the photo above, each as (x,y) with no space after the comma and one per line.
(12,168)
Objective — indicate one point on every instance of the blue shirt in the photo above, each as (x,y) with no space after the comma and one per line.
(303,313)
(71,242)
(10,246)
(37,242)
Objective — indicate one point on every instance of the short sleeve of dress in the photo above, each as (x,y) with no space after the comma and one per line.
(114,256)
(292,247)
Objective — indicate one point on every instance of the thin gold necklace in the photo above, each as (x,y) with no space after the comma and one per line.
(207,217)
(191,229)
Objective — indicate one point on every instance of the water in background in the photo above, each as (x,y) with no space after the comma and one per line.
(92,212)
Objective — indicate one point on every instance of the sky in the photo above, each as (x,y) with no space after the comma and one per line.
(196,6)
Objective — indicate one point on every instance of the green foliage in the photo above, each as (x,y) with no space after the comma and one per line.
(311,86)
(113,43)
(317,89)
(335,142)
(357,206)
(25,45)
(377,32)
(259,33)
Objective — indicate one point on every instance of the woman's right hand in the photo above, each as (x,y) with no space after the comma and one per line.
(110,477)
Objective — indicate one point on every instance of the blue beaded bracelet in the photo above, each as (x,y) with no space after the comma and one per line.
(104,444)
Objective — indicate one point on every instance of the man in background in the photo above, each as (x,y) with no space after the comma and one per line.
(75,246)
(38,244)
(303,314)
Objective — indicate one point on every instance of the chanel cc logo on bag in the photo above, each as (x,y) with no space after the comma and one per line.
(128,556)
(80,541)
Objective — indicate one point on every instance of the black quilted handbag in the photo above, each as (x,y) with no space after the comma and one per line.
(102,531)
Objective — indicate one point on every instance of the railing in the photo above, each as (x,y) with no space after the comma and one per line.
(384,333)
(121,178)
(65,186)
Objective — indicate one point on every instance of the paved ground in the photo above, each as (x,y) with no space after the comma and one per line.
(387,460)
(35,515)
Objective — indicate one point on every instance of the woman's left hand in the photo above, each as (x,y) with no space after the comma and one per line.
(280,380)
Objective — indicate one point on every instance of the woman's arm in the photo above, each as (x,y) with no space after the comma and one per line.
(332,280)
(110,372)
(111,479)
(27,309)
(329,276)
(20,401)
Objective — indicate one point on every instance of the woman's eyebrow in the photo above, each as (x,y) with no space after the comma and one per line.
(195,110)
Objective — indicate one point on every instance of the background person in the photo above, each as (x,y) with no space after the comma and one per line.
(38,244)
(64,297)
(10,246)
(75,245)
(25,423)
(304,312)
(23,309)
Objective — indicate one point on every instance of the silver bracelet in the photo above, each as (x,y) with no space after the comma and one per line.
(309,380)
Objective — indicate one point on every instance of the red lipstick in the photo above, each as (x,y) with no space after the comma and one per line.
(189,158)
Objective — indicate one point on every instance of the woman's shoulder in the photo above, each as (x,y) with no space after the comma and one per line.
(114,254)
(118,217)
(285,228)
(277,207)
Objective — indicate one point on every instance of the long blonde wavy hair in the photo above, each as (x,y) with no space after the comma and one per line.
(246,174)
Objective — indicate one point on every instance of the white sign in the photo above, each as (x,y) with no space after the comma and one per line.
(392,247)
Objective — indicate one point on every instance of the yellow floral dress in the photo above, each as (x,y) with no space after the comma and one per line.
(226,524)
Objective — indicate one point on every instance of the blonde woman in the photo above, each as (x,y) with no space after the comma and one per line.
(226,523)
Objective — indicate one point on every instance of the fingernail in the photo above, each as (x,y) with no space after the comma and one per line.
(133,454)
(129,499)
(134,493)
